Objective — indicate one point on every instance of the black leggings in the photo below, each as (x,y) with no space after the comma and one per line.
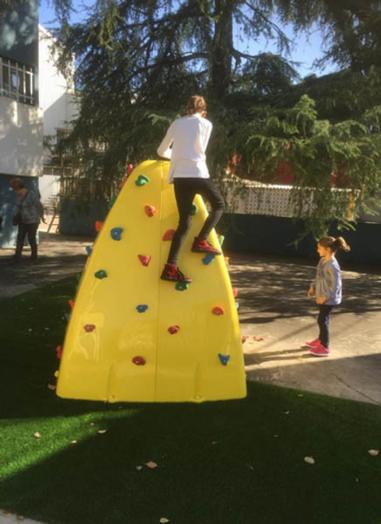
(323,322)
(23,231)
(185,191)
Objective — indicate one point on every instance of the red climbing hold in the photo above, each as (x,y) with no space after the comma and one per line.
(218,310)
(168,235)
(173,329)
(130,168)
(71,303)
(59,352)
(98,225)
(144,259)
(235,292)
(89,328)
(139,361)
(150,211)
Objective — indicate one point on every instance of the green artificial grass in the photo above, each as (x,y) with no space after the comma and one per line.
(218,463)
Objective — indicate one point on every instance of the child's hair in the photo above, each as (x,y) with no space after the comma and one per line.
(16,183)
(196,104)
(334,243)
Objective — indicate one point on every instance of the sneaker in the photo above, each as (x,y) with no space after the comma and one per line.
(173,274)
(319,351)
(313,343)
(203,246)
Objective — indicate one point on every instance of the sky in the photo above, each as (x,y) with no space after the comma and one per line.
(306,48)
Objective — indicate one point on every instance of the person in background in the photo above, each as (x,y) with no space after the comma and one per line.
(185,145)
(327,290)
(29,213)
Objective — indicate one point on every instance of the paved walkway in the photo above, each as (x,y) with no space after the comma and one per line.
(274,310)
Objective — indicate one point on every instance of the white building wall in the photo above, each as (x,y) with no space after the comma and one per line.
(21,139)
(56,91)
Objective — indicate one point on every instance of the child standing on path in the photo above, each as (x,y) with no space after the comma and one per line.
(327,290)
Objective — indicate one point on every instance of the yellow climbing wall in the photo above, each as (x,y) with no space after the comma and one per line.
(134,337)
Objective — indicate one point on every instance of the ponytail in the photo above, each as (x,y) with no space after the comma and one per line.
(196,104)
(334,243)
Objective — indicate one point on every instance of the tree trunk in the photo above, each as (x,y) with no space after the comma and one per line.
(221,52)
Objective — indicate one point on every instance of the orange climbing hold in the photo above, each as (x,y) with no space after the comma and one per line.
(98,225)
(218,310)
(144,259)
(71,303)
(150,211)
(235,292)
(168,235)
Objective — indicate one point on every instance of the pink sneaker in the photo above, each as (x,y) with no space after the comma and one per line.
(313,343)
(319,351)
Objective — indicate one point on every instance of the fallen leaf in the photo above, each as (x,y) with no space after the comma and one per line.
(163,520)
(286,412)
(73,442)
(37,434)
(300,395)
(101,431)
(92,423)
(52,387)
(151,464)
(139,468)
(309,460)
(374,452)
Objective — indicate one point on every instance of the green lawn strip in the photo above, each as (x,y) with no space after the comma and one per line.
(225,462)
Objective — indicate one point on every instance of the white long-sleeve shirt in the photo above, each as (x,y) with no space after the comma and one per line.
(189,137)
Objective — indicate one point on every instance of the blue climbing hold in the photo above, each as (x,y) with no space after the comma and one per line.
(181,286)
(116,233)
(89,250)
(208,258)
(224,359)
(141,308)
(101,274)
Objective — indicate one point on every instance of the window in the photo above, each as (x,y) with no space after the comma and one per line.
(17,81)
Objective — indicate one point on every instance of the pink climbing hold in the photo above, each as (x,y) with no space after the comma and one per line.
(235,292)
(173,329)
(130,168)
(168,235)
(150,211)
(89,328)
(144,259)
(59,352)
(139,361)
(218,310)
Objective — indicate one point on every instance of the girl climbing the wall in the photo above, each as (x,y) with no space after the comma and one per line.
(327,290)
(185,145)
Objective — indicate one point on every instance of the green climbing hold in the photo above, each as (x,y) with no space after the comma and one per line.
(101,274)
(194,209)
(142,180)
(181,286)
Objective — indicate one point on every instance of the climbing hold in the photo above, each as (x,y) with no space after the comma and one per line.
(150,211)
(235,292)
(111,202)
(98,225)
(181,286)
(116,233)
(59,352)
(144,259)
(218,310)
(139,361)
(244,338)
(237,304)
(89,250)
(208,258)
(89,328)
(224,359)
(173,329)
(142,180)
(221,239)
(141,308)
(130,168)
(168,235)
(194,209)
(71,303)
(101,274)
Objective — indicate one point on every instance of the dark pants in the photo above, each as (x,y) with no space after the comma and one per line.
(323,323)
(23,231)
(185,191)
